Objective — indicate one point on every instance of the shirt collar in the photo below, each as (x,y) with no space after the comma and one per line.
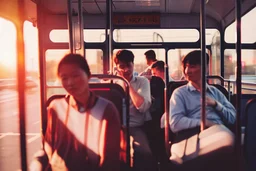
(134,78)
(192,88)
(91,101)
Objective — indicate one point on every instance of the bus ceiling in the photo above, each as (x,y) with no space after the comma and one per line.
(222,14)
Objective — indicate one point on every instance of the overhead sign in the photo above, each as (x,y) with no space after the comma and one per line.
(136,20)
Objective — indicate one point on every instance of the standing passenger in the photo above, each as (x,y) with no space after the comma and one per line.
(83,130)
(151,59)
(140,101)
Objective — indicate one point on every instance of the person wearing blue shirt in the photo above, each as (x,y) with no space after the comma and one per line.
(214,144)
(185,102)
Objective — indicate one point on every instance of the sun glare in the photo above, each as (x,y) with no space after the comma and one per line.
(7,43)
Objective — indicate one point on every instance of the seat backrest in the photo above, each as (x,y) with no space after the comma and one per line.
(250,135)
(157,92)
(244,99)
(172,85)
(113,92)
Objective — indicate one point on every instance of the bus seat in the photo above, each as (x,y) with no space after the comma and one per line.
(172,85)
(205,151)
(152,128)
(244,99)
(250,135)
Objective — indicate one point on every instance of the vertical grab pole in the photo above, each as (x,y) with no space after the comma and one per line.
(106,57)
(110,36)
(203,62)
(81,27)
(238,82)
(42,66)
(21,84)
(166,107)
(70,26)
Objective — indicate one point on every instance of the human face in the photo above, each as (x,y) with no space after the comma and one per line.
(192,72)
(125,70)
(74,79)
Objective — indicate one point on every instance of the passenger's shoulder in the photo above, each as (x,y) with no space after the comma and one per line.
(180,90)
(57,101)
(141,79)
(214,89)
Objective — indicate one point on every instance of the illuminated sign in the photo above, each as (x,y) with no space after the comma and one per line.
(136,19)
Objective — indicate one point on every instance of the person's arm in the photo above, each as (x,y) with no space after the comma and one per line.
(224,108)
(41,161)
(141,98)
(112,139)
(48,137)
(178,120)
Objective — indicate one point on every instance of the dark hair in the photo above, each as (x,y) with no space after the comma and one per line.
(77,59)
(194,58)
(159,65)
(125,56)
(150,55)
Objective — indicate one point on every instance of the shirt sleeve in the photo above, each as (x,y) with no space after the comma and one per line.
(225,109)
(178,120)
(144,91)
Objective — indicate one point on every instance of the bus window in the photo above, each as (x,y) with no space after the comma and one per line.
(90,35)
(32,95)
(247,29)
(9,116)
(248,65)
(156,35)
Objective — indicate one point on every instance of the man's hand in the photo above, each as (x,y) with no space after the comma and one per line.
(210,102)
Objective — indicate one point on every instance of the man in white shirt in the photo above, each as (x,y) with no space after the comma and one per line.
(140,102)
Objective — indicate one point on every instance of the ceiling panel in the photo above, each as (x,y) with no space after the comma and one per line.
(92,8)
(179,6)
(136,6)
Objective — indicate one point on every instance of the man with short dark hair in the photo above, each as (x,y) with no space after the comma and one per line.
(185,104)
(157,69)
(185,118)
(151,59)
(140,102)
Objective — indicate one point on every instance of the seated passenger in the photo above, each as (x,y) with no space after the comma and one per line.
(140,101)
(185,103)
(151,59)
(185,114)
(83,130)
(157,69)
